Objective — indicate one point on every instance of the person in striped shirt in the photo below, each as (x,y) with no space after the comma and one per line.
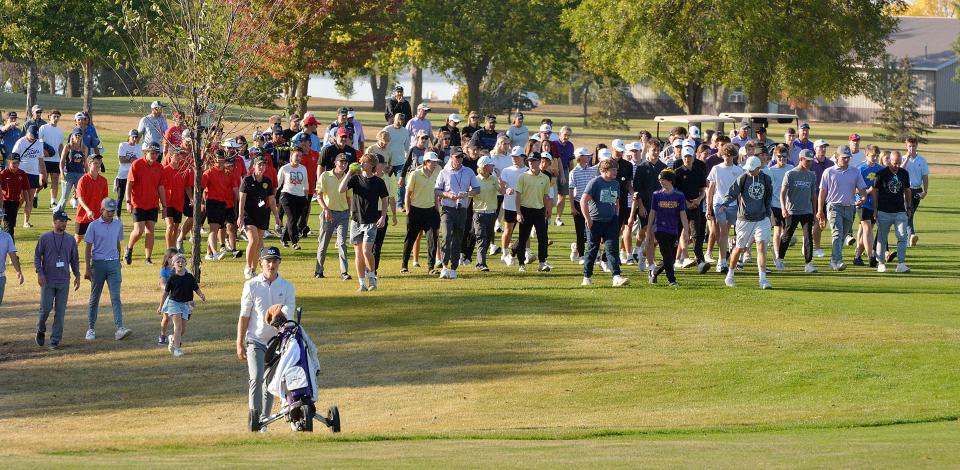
(580,175)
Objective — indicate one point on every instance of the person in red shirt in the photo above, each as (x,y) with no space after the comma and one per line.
(147,197)
(186,175)
(237,169)
(15,186)
(173,138)
(92,189)
(173,185)
(220,190)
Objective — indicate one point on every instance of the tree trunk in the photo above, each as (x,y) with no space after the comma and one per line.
(693,98)
(198,147)
(33,82)
(586,94)
(571,96)
(378,85)
(72,87)
(416,88)
(473,79)
(88,86)
(758,99)
(302,96)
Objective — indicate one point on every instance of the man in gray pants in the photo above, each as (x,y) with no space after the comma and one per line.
(335,216)
(837,204)
(102,258)
(455,186)
(54,258)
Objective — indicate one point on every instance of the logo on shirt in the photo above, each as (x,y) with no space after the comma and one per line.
(668,204)
(264,185)
(609,196)
(755,190)
(894,186)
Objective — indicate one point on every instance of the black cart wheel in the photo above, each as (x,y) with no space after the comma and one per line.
(333,419)
(307,412)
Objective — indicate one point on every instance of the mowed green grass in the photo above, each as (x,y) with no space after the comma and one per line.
(504,369)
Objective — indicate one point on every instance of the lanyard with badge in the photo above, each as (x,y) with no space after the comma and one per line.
(60,263)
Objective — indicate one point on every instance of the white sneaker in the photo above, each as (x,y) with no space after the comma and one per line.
(604,267)
(372,283)
(881,267)
(523,268)
(838,266)
(573,251)
(729,281)
(221,254)
(708,258)
(444,273)
(362,288)
(779,264)
(848,240)
(73,202)
(902,268)
(210,257)
(586,282)
(687,262)
(507,259)
(452,274)
(747,259)
(914,239)
(121,333)
(416,263)
(544,267)
(27,225)
(580,261)
(764,285)
(558,222)
(170,345)
(619,281)
(721,266)
(818,253)
(91,335)
(623,257)
(527,257)
(492,251)
(677,264)
(809,268)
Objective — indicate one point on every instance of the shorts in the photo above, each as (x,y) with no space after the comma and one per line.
(187,208)
(365,233)
(82,228)
(563,187)
(868,215)
(728,216)
(34,181)
(145,215)
(260,221)
(52,167)
(777,217)
(216,212)
(173,213)
(509,216)
(231,216)
(748,231)
(173,308)
(623,216)
(644,221)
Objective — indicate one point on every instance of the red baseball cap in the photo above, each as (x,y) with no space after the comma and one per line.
(854,136)
(310,121)
(343,132)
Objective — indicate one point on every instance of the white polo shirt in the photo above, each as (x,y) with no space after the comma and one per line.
(258,296)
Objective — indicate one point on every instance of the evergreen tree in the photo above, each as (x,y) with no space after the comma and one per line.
(611,103)
(900,117)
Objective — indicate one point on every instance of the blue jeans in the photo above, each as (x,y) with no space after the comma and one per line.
(71,180)
(395,171)
(841,223)
(105,271)
(901,227)
(53,297)
(3,287)
(608,232)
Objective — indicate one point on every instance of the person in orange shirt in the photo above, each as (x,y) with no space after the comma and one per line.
(220,189)
(174,184)
(234,165)
(92,189)
(147,197)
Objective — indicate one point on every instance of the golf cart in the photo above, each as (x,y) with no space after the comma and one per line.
(762,118)
(694,119)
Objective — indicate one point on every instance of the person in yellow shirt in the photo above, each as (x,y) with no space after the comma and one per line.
(335,216)
(422,212)
(383,167)
(485,209)
(535,208)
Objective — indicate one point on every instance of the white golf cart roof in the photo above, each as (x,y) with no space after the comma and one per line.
(773,116)
(688,118)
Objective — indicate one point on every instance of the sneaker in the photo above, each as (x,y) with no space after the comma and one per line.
(838,266)
(482,268)
(858,261)
(402,271)
(210,257)
(902,268)
(466,260)
(586,282)
(809,268)
(558,222)
(730,281)
(73,203)
(180,247)
(873,261)
(27,225)
(687,262)
(623,257)
(619,281)
(881,267)
(148,261)
(703,267)
(121,333)
(494,250)
(573,251)
(818,253)
(522,269)
(848,240)
(677,264)
(177,352)
(343,276)
(91,335)
(40,338)
(128,256)
(416,264)
(914,239)
(674,284)
(497,228)
(362,288)
(746,259)
(708,258)
(236,253)
(170,345)
(581,260)
(652,276)
(507,259)
(720,267)
(286,244)
(764,285)
(740,266)
(779,264)
(604,267)
(372,283)
(53,346)
(452,274)
(891,256)
(528,257)
(161,340)
(544,267)
(444,274)
(221,254)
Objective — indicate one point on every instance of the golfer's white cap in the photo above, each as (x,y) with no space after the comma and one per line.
(431,157)
(820,143)
(677,143)
(688,151)
(604,154)
(516,151)
(546,128)
(752,164)
(617,144)
(582,152)
(546,156)
(454,117)
(695,132)
(635,146)
(484,161)
(689,143)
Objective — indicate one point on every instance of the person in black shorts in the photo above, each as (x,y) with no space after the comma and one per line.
(256,204)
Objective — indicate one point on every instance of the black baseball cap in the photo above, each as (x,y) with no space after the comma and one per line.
(60,215)
(270,252)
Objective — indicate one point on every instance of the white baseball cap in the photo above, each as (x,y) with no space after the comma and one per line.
(752,164)
(516,151)
(351,114)
(431,157)
(582,152)
(635,146)
(604,154)
(820,143)
(695,132)
(617,144)
(454,117)
(157,104)
(484,161)
(689,143)
(546,128)
(423,107)
(546,156)
(688,151)
(677,143)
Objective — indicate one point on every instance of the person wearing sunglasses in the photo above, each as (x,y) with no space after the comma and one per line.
(838,186)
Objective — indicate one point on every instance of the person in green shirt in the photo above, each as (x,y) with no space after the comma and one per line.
(535,208)
(485,209)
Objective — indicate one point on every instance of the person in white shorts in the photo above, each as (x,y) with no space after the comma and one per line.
(752,190)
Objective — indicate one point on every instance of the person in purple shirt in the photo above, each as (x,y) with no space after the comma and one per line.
(455,186)
(419,123)
(55,257)
(838,188)
(668,216)
(800,143)
(102,260)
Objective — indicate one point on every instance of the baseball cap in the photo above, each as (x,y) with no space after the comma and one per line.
(805,126)
(431,157)
(844,151)
(157,104)
(581,152)
(341,156)
(677,143)
(853,137)
(33,130)
(15,157)
(342,131)
(108,204)
(546,128)
(634,146)
(820,143)
(423,107)
(231,144)
(519,115)
(806,154)
(80,115)
(422,133)
(454,117)
(398,88)
(516,151)
(533,157)
(695,132)
(688,152)
(484,161)
(761,130)
(277,129)
(752,164)
(298,139)
(745,125)
(132,133)
(380,159)
(617,145)
(546,156)
(689,143)
(491,118)
(270,252)
(343,110)
(604,154)
(12,114)
(351,114)
(309,121)
(96,156)
(155,147)
(36,108)
(78,131)
(60,215)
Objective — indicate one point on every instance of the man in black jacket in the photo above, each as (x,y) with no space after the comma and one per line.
(397,104)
